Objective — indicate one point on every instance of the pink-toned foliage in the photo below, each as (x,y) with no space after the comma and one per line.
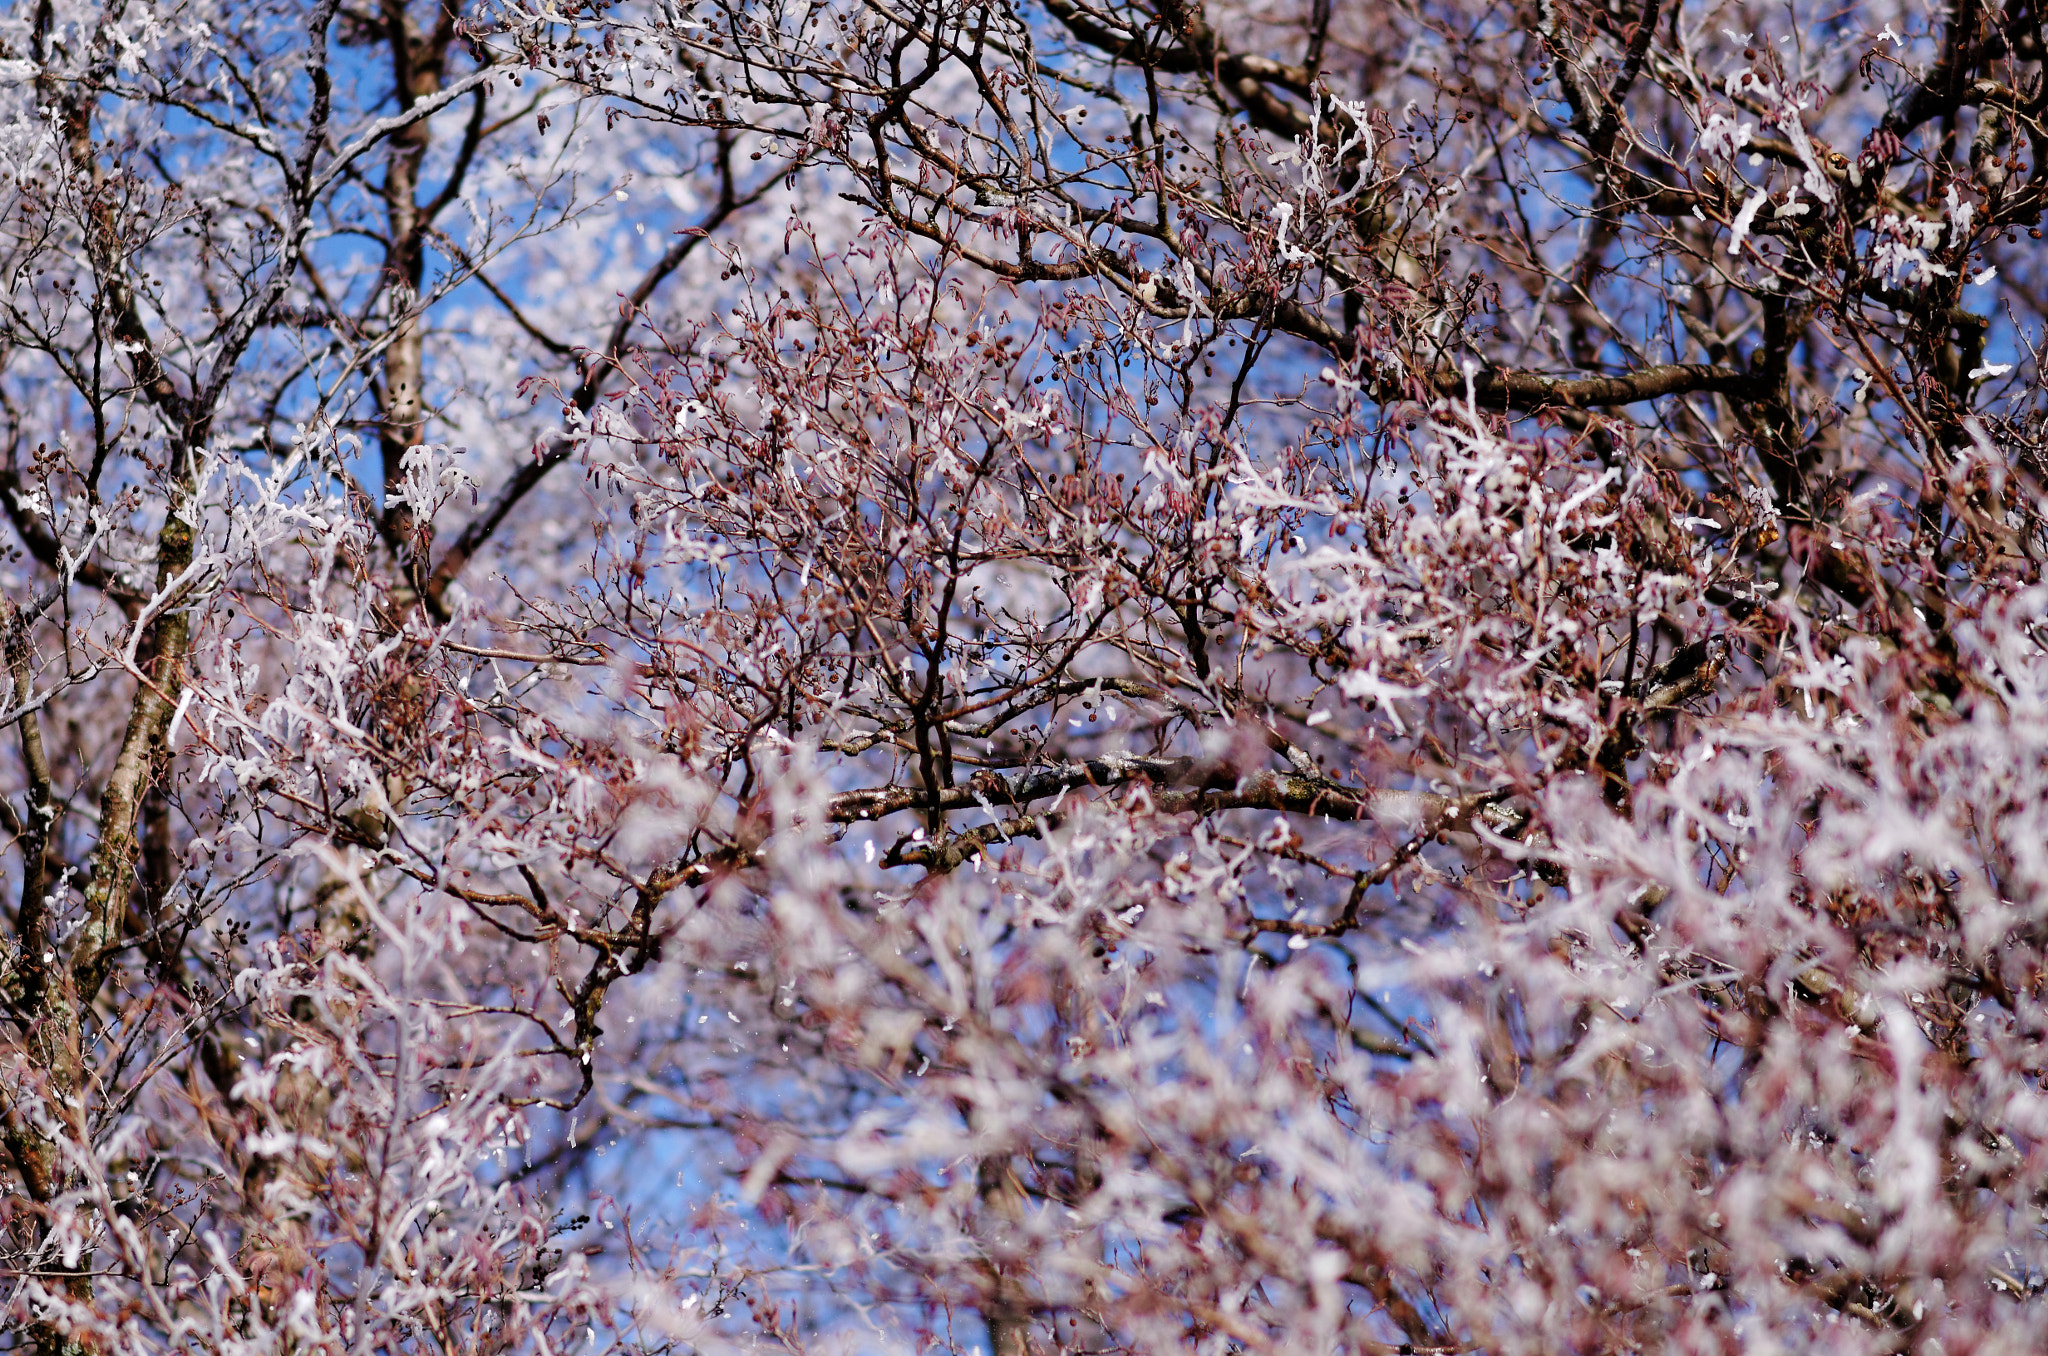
(1095,677)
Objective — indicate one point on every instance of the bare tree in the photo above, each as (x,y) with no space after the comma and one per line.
(1155,677)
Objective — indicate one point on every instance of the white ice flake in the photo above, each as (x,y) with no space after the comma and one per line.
(1744,219)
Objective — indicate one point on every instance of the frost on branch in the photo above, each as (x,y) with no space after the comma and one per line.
(1194,679)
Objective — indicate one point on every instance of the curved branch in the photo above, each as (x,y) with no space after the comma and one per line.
(597,366)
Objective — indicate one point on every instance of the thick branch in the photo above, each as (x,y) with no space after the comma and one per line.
(1506,387)
(1183,783)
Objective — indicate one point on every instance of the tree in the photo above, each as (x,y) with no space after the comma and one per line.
(1083,677)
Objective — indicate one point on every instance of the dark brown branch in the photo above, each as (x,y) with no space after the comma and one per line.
(1183,784)
(1499,387)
